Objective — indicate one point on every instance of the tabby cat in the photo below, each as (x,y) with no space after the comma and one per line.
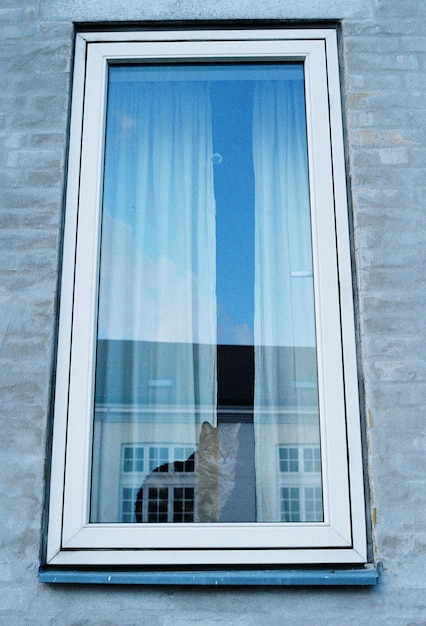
(199,498)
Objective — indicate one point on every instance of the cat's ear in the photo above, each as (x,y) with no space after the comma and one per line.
(206,428)
(234,429)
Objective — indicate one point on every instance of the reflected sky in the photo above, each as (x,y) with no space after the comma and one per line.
(231,90)
(234,192)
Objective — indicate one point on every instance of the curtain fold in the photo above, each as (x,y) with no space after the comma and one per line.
(158,259)
(284,325)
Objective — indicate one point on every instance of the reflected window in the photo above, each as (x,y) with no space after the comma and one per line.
(300,483)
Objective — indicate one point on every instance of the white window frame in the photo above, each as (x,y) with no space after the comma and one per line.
(341,538)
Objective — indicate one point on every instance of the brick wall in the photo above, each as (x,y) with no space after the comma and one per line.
(385,100)
(384,78)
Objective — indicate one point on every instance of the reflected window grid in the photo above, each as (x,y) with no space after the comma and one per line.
(300,502)
(290,504)
(313,504)
(128,496)
(170,504)
(289,459)
(158,456)
(311,459)
(183,504)
(133,459)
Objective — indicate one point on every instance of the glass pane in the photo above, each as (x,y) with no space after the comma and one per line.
(206,399)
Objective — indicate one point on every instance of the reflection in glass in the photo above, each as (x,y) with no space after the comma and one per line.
(206,400)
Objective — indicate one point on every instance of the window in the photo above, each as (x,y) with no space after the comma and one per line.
(206,406)
(174,488)
(300,483)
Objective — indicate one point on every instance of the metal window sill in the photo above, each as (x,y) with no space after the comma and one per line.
(367,576)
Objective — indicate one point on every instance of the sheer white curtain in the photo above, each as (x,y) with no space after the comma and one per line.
(158,259)
(284,304)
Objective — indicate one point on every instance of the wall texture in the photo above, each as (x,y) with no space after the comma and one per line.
(384,93)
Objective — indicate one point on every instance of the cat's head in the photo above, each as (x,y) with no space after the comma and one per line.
(221,442)
(229,442)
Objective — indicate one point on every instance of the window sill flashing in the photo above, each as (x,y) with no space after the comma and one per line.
(368,576)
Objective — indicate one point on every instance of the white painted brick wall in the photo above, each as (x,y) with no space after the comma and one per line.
(384,77)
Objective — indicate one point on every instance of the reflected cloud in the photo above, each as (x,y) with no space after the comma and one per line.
(231,332)
(145,299)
